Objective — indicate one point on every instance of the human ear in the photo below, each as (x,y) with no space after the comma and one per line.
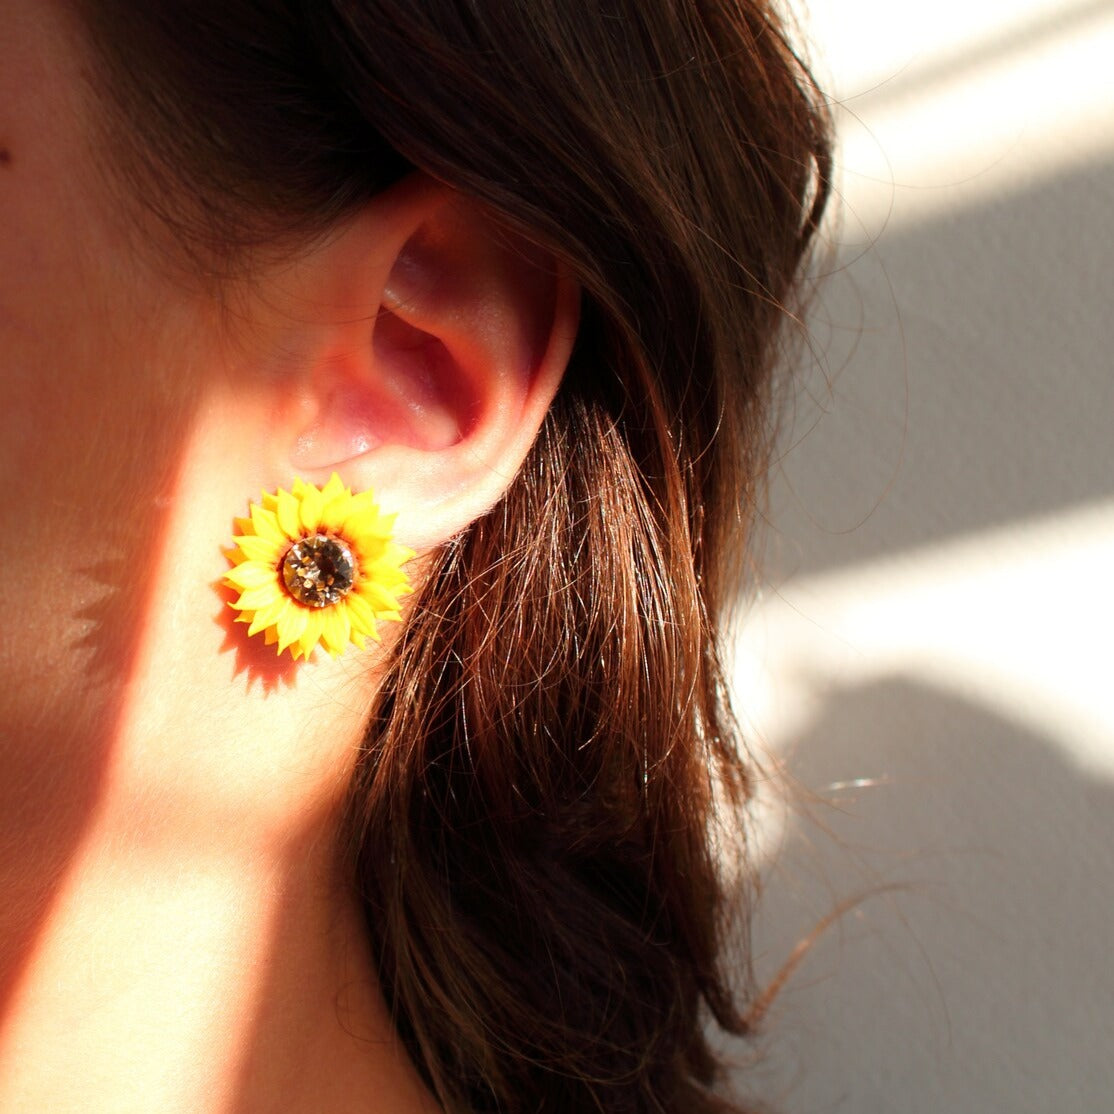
(430,341)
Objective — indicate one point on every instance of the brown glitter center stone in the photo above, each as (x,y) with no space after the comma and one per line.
(319,571)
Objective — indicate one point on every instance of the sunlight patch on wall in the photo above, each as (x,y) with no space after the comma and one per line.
(949,104)
(1016,619)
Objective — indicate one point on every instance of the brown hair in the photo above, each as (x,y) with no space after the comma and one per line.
(530,821)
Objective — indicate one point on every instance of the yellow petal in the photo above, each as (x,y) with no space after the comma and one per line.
(362,502)
(255,598)
(291,623)
(360,613)
(334,630)
(310,510)
(259,549)
(251,574)
(266,525)
(269,615)
(377,596)
(312,634)
(334,511)
(333,488)
(287,513)
(366,527)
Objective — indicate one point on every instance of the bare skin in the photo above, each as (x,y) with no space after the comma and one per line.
(176,934)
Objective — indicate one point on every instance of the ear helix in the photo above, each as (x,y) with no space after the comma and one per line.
(317,567)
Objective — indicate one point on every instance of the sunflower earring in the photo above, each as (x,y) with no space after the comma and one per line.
(316,566)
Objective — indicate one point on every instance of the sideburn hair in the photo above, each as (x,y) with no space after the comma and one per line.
(531,821)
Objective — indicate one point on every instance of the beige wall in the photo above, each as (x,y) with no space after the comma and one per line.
(932,661)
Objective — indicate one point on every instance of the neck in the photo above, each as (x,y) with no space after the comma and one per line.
(193,983)
(176,934)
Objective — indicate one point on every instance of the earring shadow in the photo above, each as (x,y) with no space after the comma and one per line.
(263,666)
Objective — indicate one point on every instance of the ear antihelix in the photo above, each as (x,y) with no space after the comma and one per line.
(317,567)
(485,293)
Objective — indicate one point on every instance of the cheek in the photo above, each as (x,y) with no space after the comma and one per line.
(93,369)
(98,362)
(40,438)
(36,337)
(95,383)
(71,396)
(76,314)
(89,455)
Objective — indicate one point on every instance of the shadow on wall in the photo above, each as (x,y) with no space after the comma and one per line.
(986,982)
(970,387)
(967,379)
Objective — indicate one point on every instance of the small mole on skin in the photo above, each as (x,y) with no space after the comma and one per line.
(5,157)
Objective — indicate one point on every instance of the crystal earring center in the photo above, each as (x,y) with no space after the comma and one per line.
(319,571)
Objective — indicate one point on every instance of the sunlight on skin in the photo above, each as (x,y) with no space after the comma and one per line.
(179,933)
(115,996)
(161,990)
(217,779)
(262,732)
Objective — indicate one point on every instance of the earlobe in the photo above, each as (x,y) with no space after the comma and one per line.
(431,376)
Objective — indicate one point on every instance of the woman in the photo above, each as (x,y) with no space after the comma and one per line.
(521,270)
